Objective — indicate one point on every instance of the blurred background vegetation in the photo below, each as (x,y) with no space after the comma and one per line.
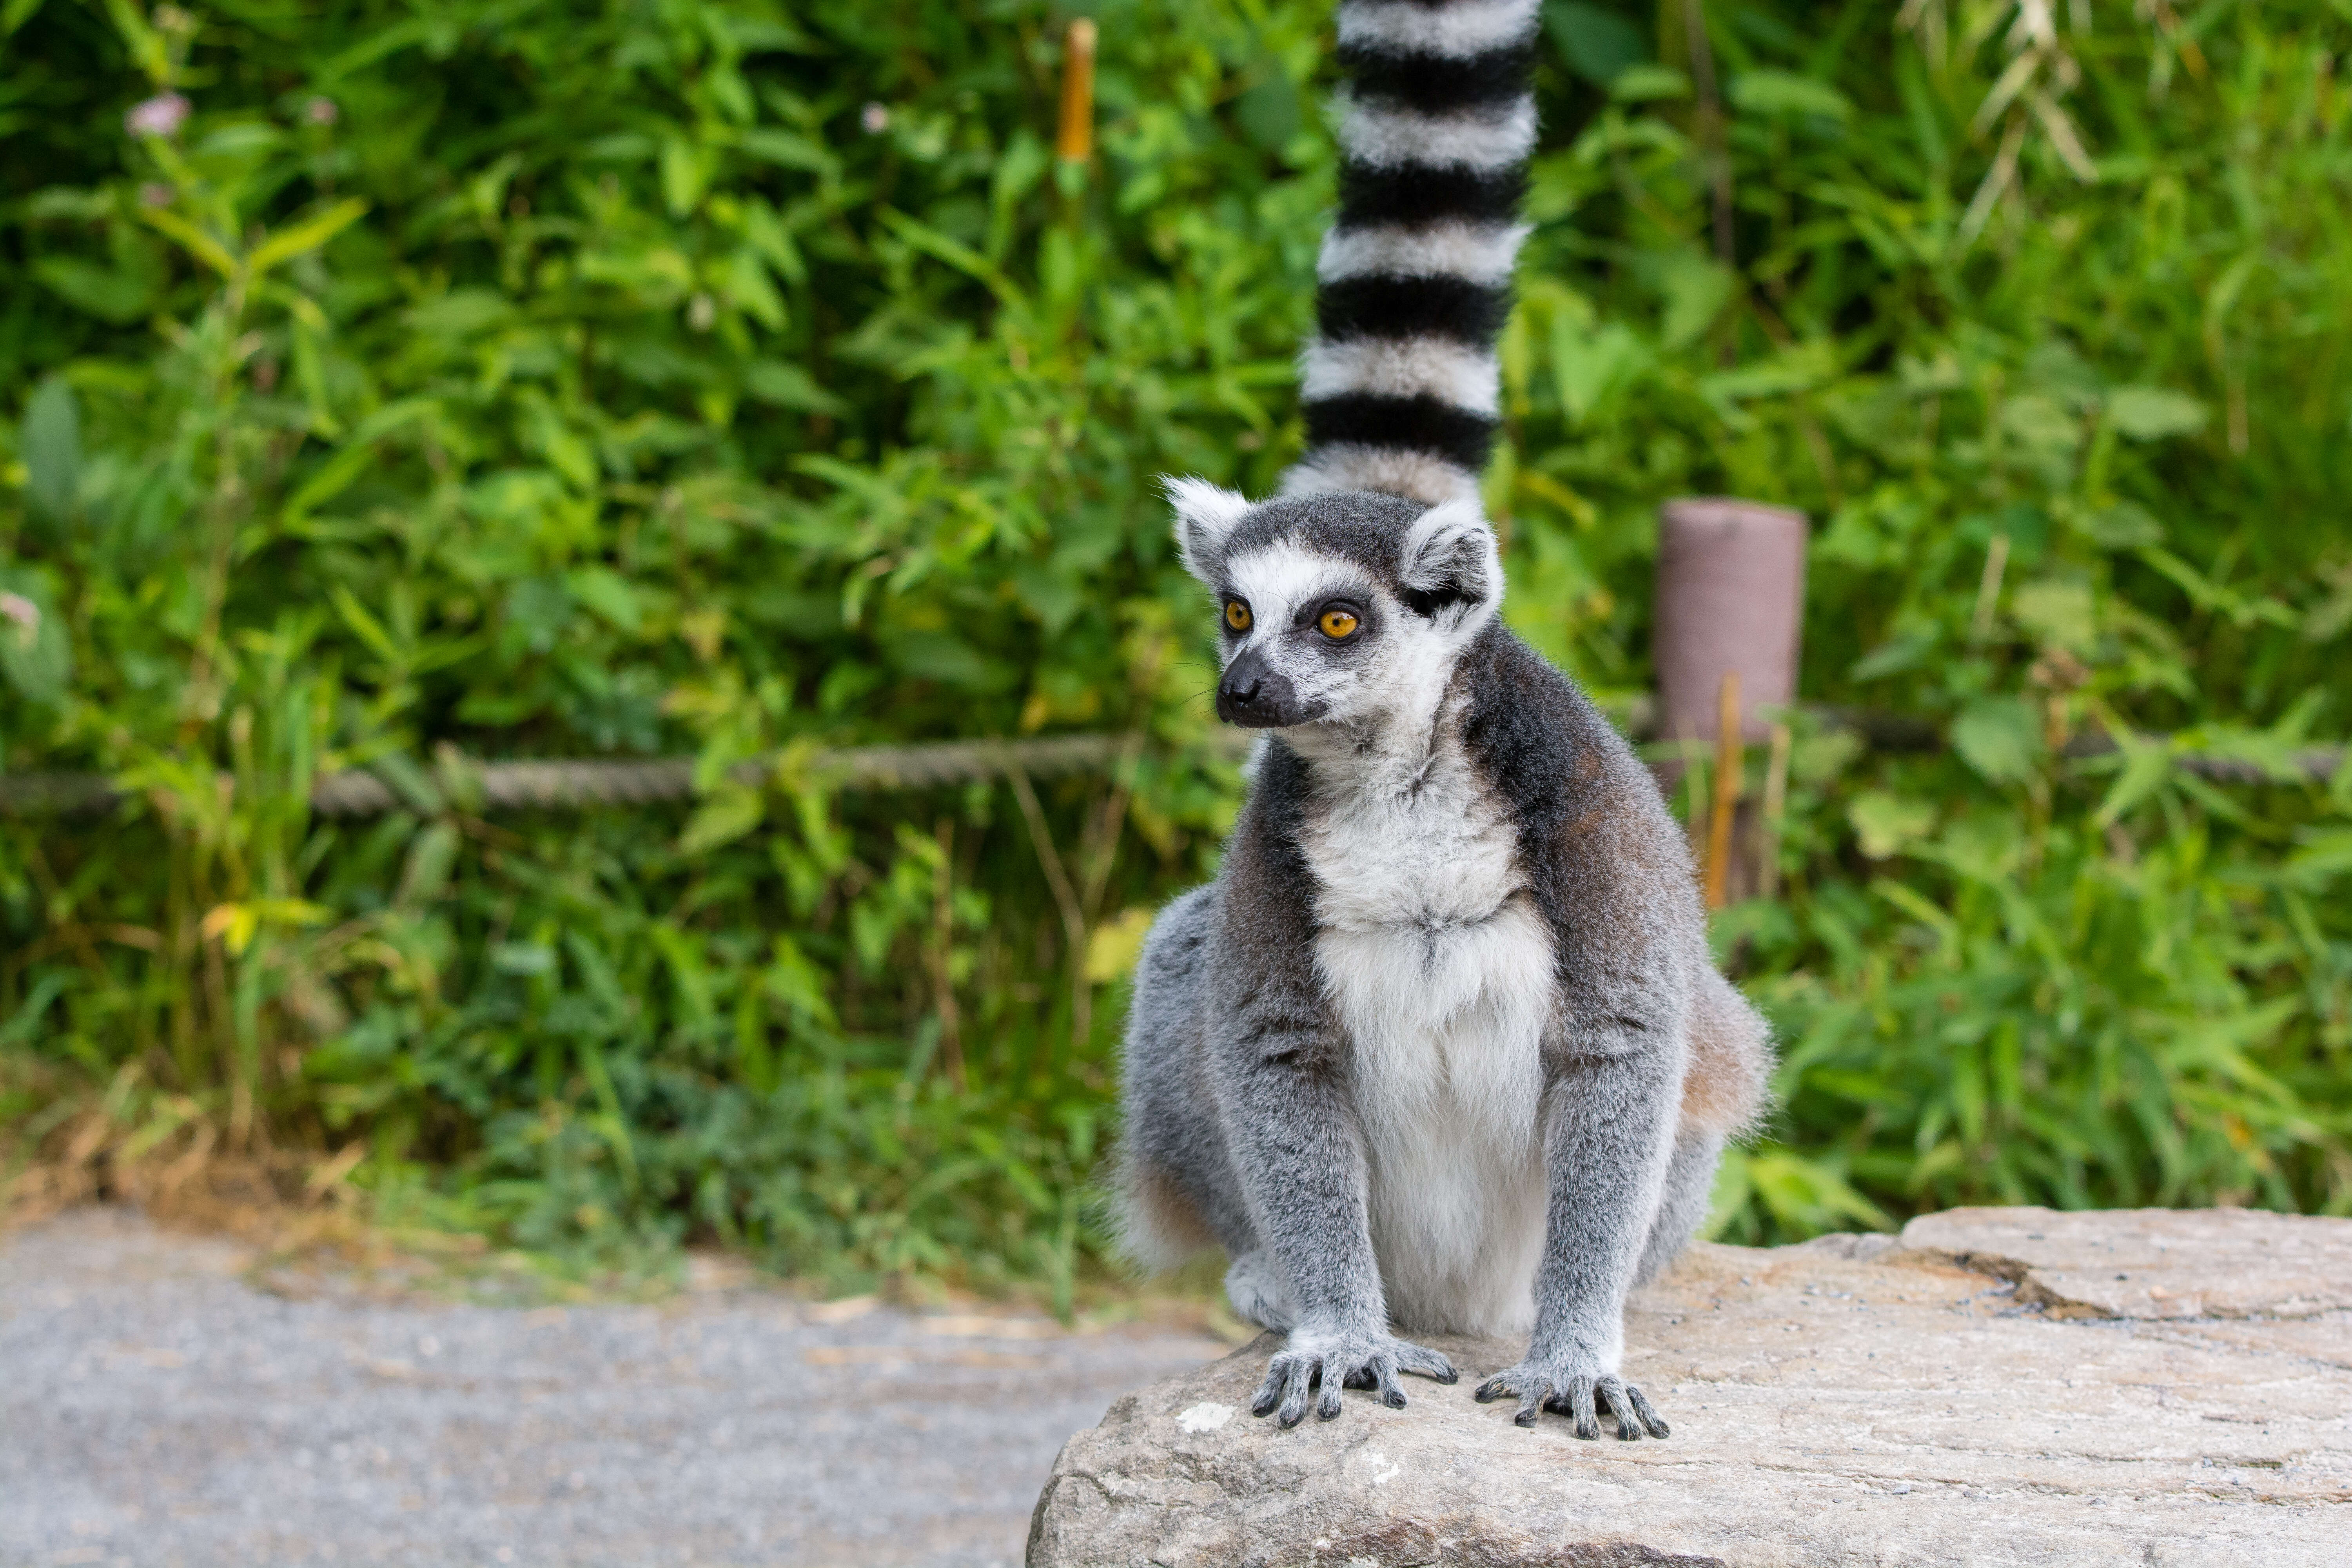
(386,380)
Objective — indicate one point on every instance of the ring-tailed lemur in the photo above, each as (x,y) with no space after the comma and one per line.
(1443,1047)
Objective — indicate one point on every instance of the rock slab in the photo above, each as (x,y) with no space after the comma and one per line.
(1982,1390)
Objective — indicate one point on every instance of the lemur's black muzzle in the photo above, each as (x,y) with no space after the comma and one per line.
(1255,696)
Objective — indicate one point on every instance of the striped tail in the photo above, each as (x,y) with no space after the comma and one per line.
(1401,384)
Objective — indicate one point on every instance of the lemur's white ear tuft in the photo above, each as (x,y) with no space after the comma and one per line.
(1448,559)
(1205,515)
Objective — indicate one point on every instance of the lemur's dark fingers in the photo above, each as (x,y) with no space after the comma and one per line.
(1613,1393)
(1580,1397)
(1531,1401)
(1427,1362)
(1384,1377)
(1493,1388)
(1327,1405)
(1647,1412)
(1269,1393)
(1299,1383)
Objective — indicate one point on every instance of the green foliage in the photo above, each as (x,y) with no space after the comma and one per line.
(533,381)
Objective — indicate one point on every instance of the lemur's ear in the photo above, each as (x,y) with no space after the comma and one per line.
(1205,516)
(1448,560)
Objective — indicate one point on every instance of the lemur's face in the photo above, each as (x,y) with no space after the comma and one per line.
(1337,609)
(1300,630)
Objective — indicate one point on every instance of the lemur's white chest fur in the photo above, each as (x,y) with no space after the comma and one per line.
(1440,970)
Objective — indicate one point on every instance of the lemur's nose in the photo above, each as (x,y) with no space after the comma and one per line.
(1256,697)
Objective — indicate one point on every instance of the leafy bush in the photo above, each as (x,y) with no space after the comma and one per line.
(394,383)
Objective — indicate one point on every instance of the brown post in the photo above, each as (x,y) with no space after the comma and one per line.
(1076,142)
(1729,613)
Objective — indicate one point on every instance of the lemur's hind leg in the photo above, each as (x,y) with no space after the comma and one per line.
(1681,1208)
(1723,1097)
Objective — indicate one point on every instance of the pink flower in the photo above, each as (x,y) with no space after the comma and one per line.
(876,118)
(156,194)
(319,112)
(161,115)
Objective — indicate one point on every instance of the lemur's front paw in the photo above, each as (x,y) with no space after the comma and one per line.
(1337,1361)
(1568,1385)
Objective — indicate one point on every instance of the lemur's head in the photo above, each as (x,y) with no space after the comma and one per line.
(1342,608)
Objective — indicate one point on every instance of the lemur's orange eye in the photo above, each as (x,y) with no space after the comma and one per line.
(1336,625)
(1237,614)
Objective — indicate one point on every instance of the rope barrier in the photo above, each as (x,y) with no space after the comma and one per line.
(570,785)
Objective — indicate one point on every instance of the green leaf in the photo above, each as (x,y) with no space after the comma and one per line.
(416,788)
(330,479)
(1696,288)
(1648,84)
(766,234)
(961,257)
(16,13)
(36,651)
(729,813)
(1597,44)
(609,594)
(2145,770)
(118,297)
(797,985)
(2000,737)
(51,441)
(364,624)
(26,1020)
(1269,113)
(1885,823)
(1783,95)
(790,387)
(523,958)
(684,175)
(2125,525)
(1892,657)
(305,237)
(2059,614)
(431,855)
(746,286)
(1114,946)
(192,240)
(790,150)
(1591,367)
(2154,413)
(2324,854)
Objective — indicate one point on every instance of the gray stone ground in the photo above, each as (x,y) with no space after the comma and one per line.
(157,1409)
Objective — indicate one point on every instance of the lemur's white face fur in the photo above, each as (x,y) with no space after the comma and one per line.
(1345,613)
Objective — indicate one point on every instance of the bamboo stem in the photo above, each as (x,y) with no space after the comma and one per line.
(1776,806)
(1728,766)
(1710,128)
(1065,897)
(943,942)
(1989,588)
(1076,142)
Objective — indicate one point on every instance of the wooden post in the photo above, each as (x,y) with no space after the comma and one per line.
(1076,143)
(1730,603)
